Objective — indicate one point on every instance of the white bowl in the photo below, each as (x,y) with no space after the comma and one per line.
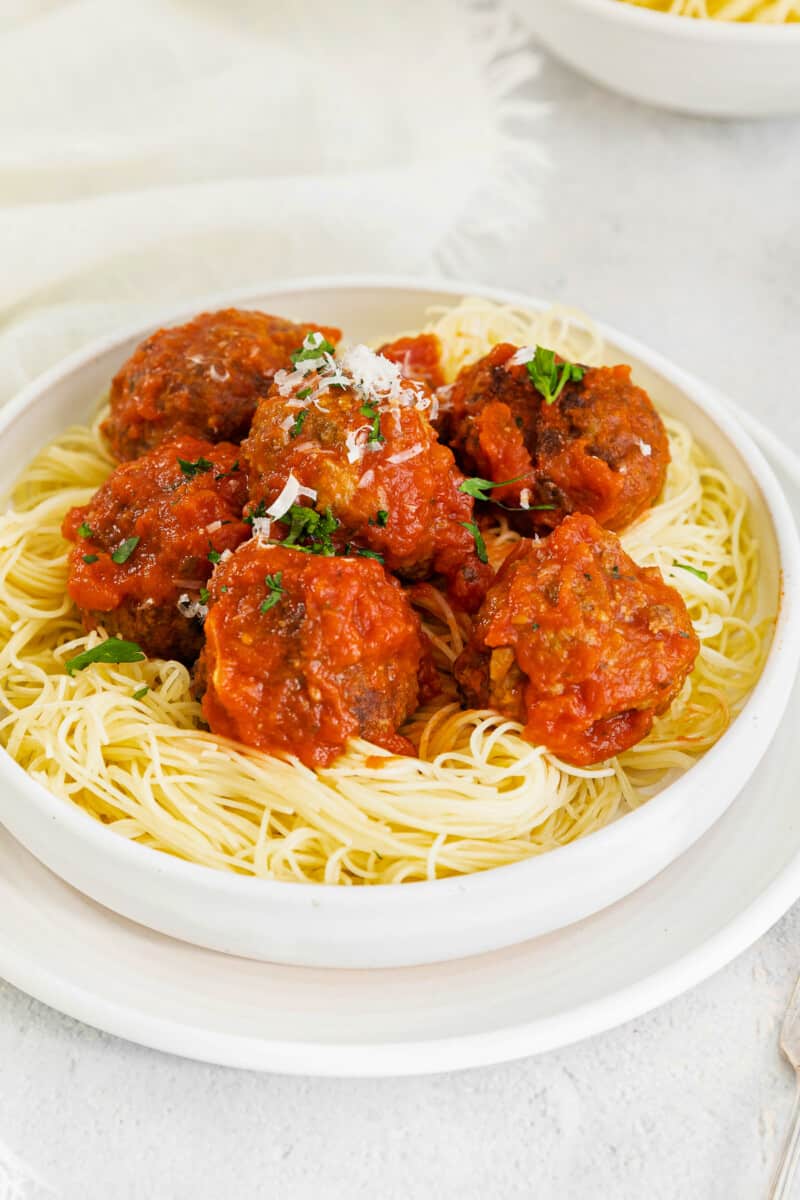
(712,68)
(404,925)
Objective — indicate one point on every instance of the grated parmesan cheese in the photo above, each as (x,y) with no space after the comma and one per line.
(217,375)
(291,493)
(371,373)
(356,443)
(525,498)
(262,527)
(645,448)
(523,356)
(214,526)
(191,608)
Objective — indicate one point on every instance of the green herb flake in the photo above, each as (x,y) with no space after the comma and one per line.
(85,531)
(692,570)
(141,692)
(204,594)
(480,544)
(304,393)
(477,488)
(90,558)
(298,423)
(213,556)
(370,554)
(125,550)
(112,650)
(260,510)
(309,530)
(225,474)
(190,469)
(312,349)
(550,378)
(382,518)
(275,589)
(534,626)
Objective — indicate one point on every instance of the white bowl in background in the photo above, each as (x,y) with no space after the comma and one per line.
(405,925)
(710,68)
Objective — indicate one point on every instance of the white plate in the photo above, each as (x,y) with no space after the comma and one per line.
(704,909)
(311,926)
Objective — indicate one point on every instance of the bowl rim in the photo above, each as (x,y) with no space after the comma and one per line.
(777,676)
(697,28)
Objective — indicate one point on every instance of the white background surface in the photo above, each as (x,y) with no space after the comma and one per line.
(683,233)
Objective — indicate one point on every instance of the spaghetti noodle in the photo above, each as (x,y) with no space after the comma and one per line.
(765,12)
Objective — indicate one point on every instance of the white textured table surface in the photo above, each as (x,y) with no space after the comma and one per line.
(684,233)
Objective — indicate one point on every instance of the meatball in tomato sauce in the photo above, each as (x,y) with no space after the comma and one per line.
(579,644)
(204,378)
(303,652)
(145,544)
(353,437)
(418,356)
(594,445)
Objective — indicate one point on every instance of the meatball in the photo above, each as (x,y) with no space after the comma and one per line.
(303,652)
(579,644)
(598,447)
(419,357)
(203,378)
(146,542)
(355,438)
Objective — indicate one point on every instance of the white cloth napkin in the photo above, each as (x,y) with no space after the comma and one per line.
(156,151)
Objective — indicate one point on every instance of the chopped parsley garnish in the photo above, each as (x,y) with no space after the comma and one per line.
(204,594)
(370,554)
(141,692)
(549,377)
(260,510)
(309,350)
(298,423)
(534,626)
(190,469)
(213,555)
(382,518)
(479,487)
(309,530)
(223,589)
(90,558)
(112,650)
(692,570)
(275,589)
(225,474)
(125,550)
(85,531)
(480,544)
(304,393)
(375,435)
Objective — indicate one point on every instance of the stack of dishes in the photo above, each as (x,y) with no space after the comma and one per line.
(99,802)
